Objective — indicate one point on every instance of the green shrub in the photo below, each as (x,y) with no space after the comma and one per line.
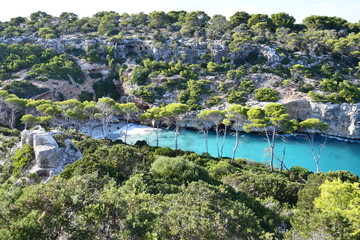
(299,174)
(305,88)
(59,68)
(238,97)
(213,101)
(95,75)
(24,89)
(177,169)
(106,87)
(118,161)
(169,152)
(266,95)
(22,159)
(264,185)
(86,96)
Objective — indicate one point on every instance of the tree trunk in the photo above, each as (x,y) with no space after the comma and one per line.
(12,119)
(223,142)
(105,128)
(236,143)
(126,128)
(157,136)
(272,148)
(282,165)
(217,140)
(271,143)
(206,140)
(157,133)
(91,128)
(176,135)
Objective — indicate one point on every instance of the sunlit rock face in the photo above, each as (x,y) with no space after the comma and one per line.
(343,119)
(50,156)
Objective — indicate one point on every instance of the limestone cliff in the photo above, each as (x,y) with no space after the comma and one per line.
(343,119)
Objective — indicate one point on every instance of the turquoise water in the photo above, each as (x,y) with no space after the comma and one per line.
(338,155)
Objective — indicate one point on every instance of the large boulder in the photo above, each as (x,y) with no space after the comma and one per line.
(50,158)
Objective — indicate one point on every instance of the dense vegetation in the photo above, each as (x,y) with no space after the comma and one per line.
(323,49)
(118,191)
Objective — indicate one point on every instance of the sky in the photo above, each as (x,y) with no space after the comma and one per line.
(347,9)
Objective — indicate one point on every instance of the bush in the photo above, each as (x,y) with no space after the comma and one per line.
(238,97)
(22,159)
(166,151)
(177,169)
(299,174)
(95,75)
(213,101)
(266,95)
(86,96)
(59,68)
(118,161)
(104,88)
(24,89)
(305,88)
(264,185)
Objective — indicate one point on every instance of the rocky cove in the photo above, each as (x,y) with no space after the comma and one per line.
(343,119)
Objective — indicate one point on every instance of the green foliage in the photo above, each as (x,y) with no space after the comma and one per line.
(339,203)
(86,96)
(15,57)
(118,162)
(325,22)
(299,174)
(213,101)
(311,188)
(95,75)
(139,75)
(24,89)
(118,191)
(256,19)
(146,93)
(47,33)
(60,67)
(194,22)
(168,152)
(313,125)
(95,54)
(337,92)
(177,170)
(266,95)
(318,209)
(305,88)
(239,18)
(283,20)
(104,88)
(22,159)
(193,93)
(265,185)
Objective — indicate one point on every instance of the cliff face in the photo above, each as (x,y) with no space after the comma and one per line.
(343,119)
(185,50)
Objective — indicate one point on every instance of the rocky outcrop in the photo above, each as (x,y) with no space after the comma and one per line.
(343,119)
(50,158)
(185,49)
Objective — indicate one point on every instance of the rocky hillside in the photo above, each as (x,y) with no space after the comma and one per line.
(312,70)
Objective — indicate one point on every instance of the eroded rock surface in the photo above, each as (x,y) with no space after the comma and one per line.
(50,158)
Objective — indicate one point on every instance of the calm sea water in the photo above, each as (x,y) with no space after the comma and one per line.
(338,155)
